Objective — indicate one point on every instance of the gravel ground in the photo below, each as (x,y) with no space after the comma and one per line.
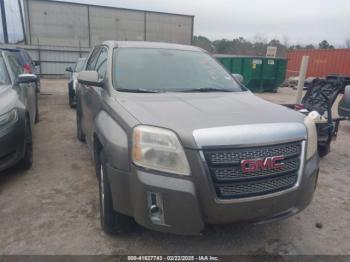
(53,208)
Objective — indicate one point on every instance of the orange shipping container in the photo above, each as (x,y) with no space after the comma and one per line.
(322,62)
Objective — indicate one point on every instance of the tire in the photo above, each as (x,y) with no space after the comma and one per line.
(80,133)
(112,222)
(37,115)
(72,103)
(27,160)
(323,150)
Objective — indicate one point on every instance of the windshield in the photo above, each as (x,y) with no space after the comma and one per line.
(4,78)
(79,66)
(167,70)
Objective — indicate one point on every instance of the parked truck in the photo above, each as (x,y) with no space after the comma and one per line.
(179,143)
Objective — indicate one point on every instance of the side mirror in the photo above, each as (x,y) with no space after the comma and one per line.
(347,92)
(69,69)
(26,78)
(238,77)
(90,78)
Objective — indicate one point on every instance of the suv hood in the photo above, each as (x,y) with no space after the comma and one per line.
(186,113)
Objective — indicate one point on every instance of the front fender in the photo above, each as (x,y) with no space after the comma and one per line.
(114,141)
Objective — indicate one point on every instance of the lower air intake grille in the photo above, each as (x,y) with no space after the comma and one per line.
(257,187)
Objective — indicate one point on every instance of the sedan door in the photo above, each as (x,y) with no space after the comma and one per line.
(26,92)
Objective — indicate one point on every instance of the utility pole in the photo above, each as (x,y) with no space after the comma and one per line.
(302,74)
(22,21)
(4,22)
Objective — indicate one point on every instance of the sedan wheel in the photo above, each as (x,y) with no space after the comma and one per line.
(80,134)
(27,159)
(102,191)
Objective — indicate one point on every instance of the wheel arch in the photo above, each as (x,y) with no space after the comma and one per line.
(110,136)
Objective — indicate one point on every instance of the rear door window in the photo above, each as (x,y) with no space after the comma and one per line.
(16,68)
(28,57)
(19,57)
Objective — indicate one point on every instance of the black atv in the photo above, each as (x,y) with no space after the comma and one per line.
(320,97)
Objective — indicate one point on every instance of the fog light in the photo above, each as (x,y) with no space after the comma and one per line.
(155,207)
(154,210)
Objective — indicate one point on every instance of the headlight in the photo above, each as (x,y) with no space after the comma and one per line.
(9,117)
(159,149)
(311,137)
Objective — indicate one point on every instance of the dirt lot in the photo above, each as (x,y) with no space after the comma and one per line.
(53,208)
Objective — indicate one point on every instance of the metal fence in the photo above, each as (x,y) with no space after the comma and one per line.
(53,60)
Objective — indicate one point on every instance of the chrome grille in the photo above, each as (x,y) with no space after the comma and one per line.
(230,182)
(218,157)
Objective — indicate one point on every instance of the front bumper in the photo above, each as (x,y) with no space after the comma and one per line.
(188,203)
(12,144)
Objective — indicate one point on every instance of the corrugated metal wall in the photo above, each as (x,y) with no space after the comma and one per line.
(114,24)
(168,28)
(322,62)
(58,23)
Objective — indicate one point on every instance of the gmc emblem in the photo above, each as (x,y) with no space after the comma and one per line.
(255,165)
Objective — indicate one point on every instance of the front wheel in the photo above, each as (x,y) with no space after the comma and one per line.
(71,96)
(37,117)
(80,134)
(323,150)
(27,159)
(112,222)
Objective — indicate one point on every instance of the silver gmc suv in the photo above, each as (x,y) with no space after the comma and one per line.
(179,143)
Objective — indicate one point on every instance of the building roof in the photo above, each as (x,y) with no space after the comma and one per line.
(114,7)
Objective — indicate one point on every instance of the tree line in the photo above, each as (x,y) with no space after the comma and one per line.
(242,46)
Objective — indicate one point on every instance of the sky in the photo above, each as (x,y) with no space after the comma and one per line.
(290,21)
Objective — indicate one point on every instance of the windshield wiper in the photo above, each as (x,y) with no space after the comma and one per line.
(140,90)
(205,89)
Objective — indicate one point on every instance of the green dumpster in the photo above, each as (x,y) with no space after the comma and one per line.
(261,74)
